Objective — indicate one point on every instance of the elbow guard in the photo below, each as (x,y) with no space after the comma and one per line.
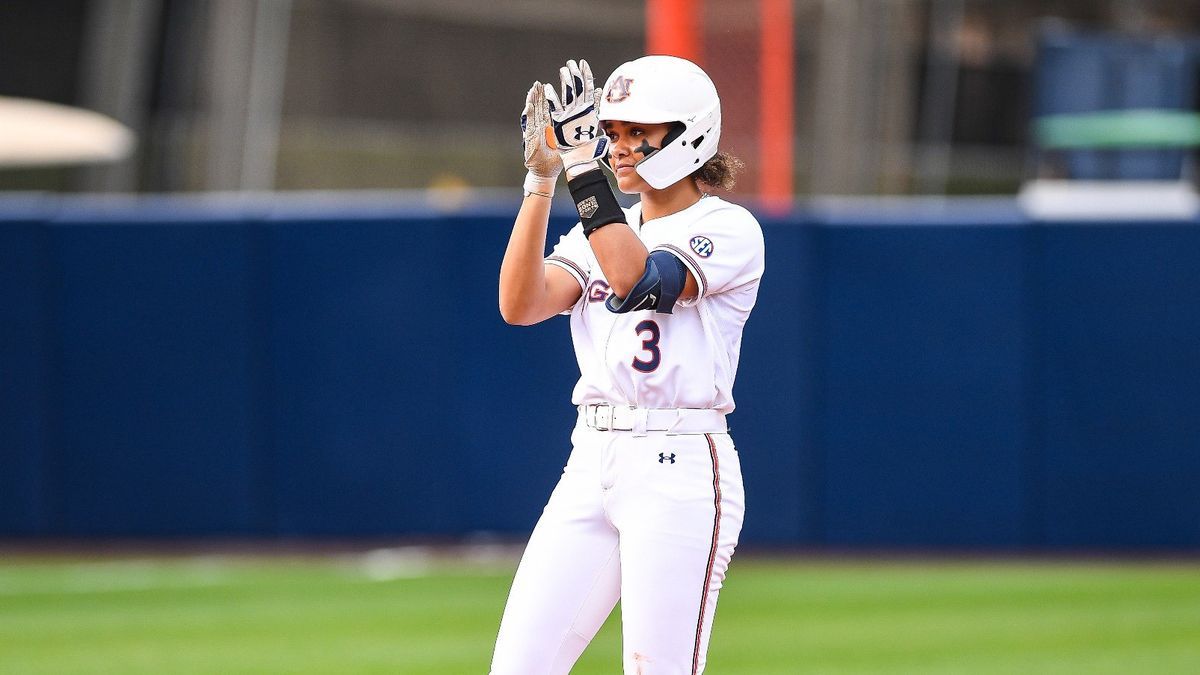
(658,289)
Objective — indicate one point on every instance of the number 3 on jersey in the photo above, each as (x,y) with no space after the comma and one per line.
(648,345)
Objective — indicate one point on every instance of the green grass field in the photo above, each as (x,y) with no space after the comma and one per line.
(409,614)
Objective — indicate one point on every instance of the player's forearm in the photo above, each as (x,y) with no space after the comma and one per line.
(524,297)
(622,256)
(522,272)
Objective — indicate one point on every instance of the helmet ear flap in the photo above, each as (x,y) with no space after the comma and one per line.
(687,150)
(673,134)
(677,129)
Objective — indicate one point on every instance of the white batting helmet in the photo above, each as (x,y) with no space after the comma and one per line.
(663,89)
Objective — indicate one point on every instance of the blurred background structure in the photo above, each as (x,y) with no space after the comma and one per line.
(935,362)
(889,97)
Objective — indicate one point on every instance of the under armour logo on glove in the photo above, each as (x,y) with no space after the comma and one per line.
(580,132)
(664,457)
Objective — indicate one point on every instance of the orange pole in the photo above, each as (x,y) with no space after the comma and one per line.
(775,86)
(673,28)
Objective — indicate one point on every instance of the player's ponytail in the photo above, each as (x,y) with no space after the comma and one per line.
(719,172)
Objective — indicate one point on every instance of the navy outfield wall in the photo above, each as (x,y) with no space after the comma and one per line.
(953,377)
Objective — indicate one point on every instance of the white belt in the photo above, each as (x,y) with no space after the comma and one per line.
(607,417)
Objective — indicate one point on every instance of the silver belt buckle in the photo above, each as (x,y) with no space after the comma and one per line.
(603,417)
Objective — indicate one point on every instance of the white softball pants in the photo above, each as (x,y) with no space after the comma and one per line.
(651,520)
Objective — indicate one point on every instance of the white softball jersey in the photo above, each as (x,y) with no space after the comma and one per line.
(687,359)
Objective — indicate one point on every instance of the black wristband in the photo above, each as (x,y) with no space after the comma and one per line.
(595,201)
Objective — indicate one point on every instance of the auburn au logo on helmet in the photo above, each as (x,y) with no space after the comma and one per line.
(619,91)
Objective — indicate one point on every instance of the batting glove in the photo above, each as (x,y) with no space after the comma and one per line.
(576,119)
(540,157)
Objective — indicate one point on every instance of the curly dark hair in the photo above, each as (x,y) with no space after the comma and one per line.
(719,172)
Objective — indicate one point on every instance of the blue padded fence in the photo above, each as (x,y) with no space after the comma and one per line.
(955,377)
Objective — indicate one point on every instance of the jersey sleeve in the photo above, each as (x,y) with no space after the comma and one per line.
(571,254)
(723,250)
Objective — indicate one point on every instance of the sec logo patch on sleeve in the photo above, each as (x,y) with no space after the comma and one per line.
(703,246)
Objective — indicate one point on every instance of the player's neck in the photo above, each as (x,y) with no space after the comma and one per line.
(671,199)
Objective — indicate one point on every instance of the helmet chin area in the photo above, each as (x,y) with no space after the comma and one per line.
(657,174)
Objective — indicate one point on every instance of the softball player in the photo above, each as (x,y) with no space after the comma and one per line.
(650,504)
